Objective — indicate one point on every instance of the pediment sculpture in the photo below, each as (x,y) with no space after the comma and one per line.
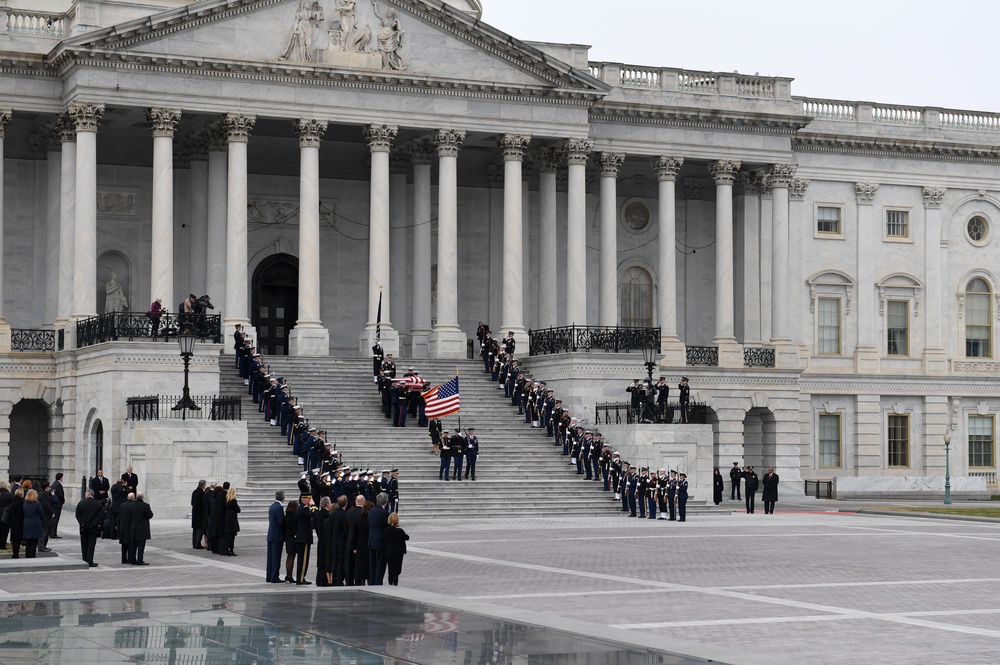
(352,39)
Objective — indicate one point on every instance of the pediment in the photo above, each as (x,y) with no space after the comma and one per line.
(421,42)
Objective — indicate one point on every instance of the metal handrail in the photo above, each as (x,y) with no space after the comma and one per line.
(570,339)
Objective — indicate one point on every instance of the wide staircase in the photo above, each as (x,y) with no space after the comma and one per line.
(518,468)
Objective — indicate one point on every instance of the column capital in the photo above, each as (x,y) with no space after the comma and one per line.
(781,175)
(724,170)
(215,137)
(548,160)
(38,142)
(755,183)
(183,151)
(422,153)
(309,131)
(195,147)
(610,163)
(666,167)
(448,142)
(66,128)
(86,115)
(399,160)
(513,146)
(163,121)
(577,151)
(494,174)
(864,192)
(5,116)
(380,137)
(238,126)
(797,189)
(933,197)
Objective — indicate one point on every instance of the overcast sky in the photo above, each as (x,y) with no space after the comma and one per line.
(917,52)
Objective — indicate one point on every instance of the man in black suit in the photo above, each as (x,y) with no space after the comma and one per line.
(140,529)
(131,480)
(59,492)
(352,520)
(238,342)
(100,485)
(89,515)
(378,520)
(126,522)
(770,494)
(735,474)
(198,515)
(336,528)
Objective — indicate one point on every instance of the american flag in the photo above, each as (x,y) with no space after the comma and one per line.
(440,623)
(442,400)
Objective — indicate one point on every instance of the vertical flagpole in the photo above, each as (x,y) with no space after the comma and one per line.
(378,317)
(457,372)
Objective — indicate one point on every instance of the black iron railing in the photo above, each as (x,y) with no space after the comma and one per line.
(160,407)
(27,340)
(703,355)
(622,413)
(129,326)
(757,356)
(569,339)
(821,489)
(61,339)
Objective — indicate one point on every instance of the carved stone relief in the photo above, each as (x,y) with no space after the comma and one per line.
(117,202)
(356,37)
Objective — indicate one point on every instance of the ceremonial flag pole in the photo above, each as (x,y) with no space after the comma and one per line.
(378,317)
(457,372)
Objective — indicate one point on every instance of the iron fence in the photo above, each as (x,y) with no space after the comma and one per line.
(568,339)
(28,340)
(622,413)
(129,326)
(821,489)
(757,356)
(161,407)
(703,355)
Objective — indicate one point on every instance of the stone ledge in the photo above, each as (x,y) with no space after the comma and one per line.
(909,488)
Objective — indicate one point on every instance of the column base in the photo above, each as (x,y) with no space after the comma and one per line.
(389,341)
(786,354)
(730,352)
(674,353)
(521,340)
(866,360)
(420,343)
(448,343)
(935,361)
(311,340)
(5,334)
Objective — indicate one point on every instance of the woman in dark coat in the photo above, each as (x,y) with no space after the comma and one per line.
(360,546)
(6,498)
(290,548)
(232,526)
(34,520)
(717,486)
(395,548)
(751,483)
(17,523)
(217,521)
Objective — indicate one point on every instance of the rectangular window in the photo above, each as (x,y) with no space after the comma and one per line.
(829,326)
(829,440)
(828,220)
(978,328)
(899,441)
(897,323)
(981,438)
(897,223)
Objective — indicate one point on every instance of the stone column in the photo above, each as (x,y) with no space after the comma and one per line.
(309,337)
(238,127)
(86,115)
(610,163)
(730,354)
(673,349)
(935,357)
(399,276)
(67,208)
(5,116)
(866,354)
(216,141)
(199,221)
(548,165)
(380,138)
(421,157)
(779,178)
(577,151)
(53,190)
(448,340)
(513,147)
(161,283)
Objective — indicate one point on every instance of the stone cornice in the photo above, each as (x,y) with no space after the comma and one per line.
(702,118)
(890,147)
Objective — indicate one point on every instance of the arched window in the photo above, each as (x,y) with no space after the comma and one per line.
(637,298)
(978,319)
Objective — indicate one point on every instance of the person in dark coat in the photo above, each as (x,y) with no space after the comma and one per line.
(34,523)
(89,515)
(46,500)
(232,523)
(357,539)
(750,485)
(336,528)
(217,520)
(395,548)
(290,546)
(140,528)
(303,537)
(378,519)
(198,515)
(126,522)
(59,492)
(718,486)
(770,494)
(351,519)
(119,495)
(323,537)
(275,538)
(17,523)
(6,498)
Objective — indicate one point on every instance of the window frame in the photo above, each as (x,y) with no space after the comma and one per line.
(624,304)
(888,305)
(889,441)
(993,441)
(987,237)
(889,237)
(829,235)
(840,440)
(840,325)
(988,296)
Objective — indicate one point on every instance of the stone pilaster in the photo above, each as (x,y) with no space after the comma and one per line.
(237,127)
(610,163)
(780,178)
(53,169)
(5,116)
(422,155)
(67,208)
(163,123)
(730,353)
(447,340)
(934,357)
(866,354)
(513,147)
(673,349)
(86,115)
(577,152)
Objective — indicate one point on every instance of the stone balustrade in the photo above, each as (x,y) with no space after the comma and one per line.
(43,24)
(686,80)
(898,115)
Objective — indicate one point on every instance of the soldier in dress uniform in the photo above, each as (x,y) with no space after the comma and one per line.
(378,357)
(684,397)
(471,453)
(548,408)
(621,489)
(615,474)
(672,495)
(632,486)
(642,489)
(393,491)
(458,446)
(389,366)
(508,342)
(662,483)
(682,497)
(583,459)
(445,446)
(662,400)
(636,391)
(650,498)
(596,451)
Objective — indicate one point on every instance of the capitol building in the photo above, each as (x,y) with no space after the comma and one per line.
(825,271)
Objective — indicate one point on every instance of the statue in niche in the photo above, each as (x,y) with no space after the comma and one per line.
(390,39)
(115,300)
(307,19)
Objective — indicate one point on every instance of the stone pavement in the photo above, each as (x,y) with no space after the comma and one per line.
(807,585)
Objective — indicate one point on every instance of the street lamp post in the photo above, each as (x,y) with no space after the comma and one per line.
(186,342)
(947,468)
(649,355)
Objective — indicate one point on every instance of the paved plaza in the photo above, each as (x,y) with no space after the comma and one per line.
(809,584)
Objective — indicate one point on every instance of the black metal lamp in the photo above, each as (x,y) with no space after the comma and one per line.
(649,355)
(186,342)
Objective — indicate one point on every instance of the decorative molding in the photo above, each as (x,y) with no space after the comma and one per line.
(216,138)
(283,211)
(666,167)
(781,175)
(610,163)
(695,188)
(422,152)
(310,131)
(399,160)
(666,116)
(864,192)
(86,115)
(933,197)
(380,137)
(977,367)
(755,183)
(577,151)
(892,147)
(513,146)
(238,126)
(163,121)
(66,128)
(448,142)
(548,160)
(120,202)
(724,170)
(5,116)
(10,370)
(797,189)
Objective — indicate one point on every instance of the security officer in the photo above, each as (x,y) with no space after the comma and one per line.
(735,474)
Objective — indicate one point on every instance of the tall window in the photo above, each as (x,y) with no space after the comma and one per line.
(637,298)
(898,327)
(829,440)
(828,220)
(981,437)
(829,326)
(897,223)
(899,440)
(978,320)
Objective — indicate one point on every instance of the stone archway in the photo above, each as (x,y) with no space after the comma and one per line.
(759,438)
(275,302)
(97,446)
(29,438)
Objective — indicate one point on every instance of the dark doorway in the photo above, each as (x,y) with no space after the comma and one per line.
(275,302)
(759,438)
(97,441)
(29,438)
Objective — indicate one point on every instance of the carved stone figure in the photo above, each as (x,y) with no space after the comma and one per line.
(347,20)
(390,39)
(115,300)
(307,19)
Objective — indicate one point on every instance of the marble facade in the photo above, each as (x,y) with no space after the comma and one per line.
(402,153)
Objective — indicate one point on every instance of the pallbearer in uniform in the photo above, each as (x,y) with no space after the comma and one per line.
(622,487)
(641,490)
(378,357)
(682,497)
(672,495)
(662,485)
(650,498)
